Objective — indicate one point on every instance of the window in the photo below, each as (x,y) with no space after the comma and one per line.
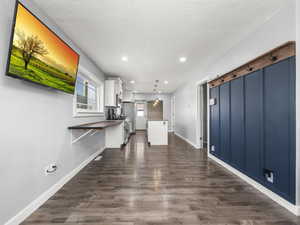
(88,99)
(140,113)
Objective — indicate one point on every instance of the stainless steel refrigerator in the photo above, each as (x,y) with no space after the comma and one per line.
(129,112)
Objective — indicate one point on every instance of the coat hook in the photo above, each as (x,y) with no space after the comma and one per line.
(273,58)
(250,68)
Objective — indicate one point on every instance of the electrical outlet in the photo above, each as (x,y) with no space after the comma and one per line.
(51,169)
(269,175)
(213,148)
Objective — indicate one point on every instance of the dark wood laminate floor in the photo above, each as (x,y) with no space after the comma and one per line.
(171,185)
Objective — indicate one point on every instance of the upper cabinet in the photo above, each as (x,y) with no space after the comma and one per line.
(113,93)
(128,96)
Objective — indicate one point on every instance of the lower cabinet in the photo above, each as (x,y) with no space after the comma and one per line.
(252,126)
(115,136)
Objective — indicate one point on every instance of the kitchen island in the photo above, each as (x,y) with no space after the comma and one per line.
(157,132)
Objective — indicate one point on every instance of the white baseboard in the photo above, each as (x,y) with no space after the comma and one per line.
(186,140)
(33,206)
(281,201)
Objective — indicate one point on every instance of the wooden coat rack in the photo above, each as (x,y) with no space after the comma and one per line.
(278,54)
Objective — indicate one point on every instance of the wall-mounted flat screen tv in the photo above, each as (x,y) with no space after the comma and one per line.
(38,55)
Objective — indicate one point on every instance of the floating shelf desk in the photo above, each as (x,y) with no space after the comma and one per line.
(96,126)
(93,128)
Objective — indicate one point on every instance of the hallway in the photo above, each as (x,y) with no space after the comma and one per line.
(159,185)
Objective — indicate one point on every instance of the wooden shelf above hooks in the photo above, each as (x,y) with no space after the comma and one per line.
(278,54)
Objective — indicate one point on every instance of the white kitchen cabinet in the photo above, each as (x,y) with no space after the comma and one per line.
(157,132)
(128,96)
(113,92)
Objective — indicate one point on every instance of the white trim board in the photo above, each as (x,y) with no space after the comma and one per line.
(284,203)
(199,110)
(33,206)
(186,140)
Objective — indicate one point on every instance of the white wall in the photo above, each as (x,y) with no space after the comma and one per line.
(298,100)
(33,129)
(186,112)
(166,98)
(276,31)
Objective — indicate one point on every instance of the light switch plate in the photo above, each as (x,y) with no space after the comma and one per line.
(212,101)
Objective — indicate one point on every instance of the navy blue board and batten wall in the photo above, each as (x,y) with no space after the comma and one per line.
(252,126)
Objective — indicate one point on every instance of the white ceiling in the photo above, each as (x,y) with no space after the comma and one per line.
(153,34)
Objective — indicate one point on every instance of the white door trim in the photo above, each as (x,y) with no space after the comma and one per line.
(199,120)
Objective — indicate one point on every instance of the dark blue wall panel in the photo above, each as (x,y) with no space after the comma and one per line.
(277,122)
(215,122)
(292,195)
(254,125)
(237,123)
(225,122)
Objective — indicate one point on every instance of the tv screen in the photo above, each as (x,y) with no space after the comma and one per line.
(38,55)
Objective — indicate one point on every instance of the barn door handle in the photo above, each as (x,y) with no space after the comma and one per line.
(273,58)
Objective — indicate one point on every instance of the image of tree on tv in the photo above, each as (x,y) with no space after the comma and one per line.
(30,46)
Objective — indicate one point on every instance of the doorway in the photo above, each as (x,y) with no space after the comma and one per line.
(203,115)
(141,115)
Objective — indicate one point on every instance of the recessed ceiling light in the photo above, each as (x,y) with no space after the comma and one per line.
(132,82)
(166,82)
(182,59)
(159,92)
(125,58)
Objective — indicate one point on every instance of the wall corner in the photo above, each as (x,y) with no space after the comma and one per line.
(298,103)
